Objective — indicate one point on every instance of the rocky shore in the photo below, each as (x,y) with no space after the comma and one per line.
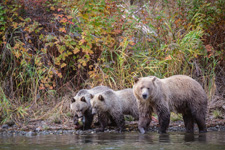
(45,128)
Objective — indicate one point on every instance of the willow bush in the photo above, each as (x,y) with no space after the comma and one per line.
(52,47)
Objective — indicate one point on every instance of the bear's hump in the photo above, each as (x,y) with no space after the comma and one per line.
(99,89)
(179,79)
(82,92)
(108,95)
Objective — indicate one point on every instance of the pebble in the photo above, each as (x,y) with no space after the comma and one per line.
(38,129)
(31,133)
(79,132)
(5,126)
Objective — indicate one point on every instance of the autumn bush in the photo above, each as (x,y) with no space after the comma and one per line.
(50,48)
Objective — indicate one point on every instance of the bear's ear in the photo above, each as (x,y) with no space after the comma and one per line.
(73,100)
(136,79)
(101,98)
(92,96)
(154,80)
(83,99)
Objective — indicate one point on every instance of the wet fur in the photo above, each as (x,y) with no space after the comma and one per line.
(179,93)
(85,106)
(115,105)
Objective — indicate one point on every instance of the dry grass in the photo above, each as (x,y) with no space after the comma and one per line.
(37,79)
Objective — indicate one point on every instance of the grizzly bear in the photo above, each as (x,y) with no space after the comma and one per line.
(80,105)
(114,104)
(178,93)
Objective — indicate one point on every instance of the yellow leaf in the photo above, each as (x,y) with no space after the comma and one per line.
(41,88)
(81,41)
(15,25)
(76,50)
(69,17)
(47,85)
(60,75)
(57,62)
(132,43)
(63,65)
(17,54)
(84,64)
(62,30)
(52,8)
(168,57)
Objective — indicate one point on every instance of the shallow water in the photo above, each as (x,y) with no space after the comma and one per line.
(109,141)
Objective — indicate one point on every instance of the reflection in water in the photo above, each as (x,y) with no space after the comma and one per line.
(145,138)
(164,138)
(129,141)
(189,137)
(202,137)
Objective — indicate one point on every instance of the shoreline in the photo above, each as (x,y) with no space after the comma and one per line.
(65,130)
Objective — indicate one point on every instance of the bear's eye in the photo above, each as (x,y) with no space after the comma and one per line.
(148,88)
(73,100)
(142,87)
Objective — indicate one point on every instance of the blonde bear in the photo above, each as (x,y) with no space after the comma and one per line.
(179,93)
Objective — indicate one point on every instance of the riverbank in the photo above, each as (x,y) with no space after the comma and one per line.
(43,127)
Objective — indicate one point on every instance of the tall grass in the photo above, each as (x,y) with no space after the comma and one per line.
(100,42)
(177,49)
(9,110)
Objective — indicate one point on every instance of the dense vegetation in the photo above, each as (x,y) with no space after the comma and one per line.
(51,48)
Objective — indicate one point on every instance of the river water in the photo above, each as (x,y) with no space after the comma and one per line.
(109,141)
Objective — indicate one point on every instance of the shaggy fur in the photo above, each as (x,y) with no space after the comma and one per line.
(179,93)
(114,104)
(81,105)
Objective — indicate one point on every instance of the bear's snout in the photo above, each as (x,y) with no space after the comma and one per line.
(145,93)
(144,96)
(93,111)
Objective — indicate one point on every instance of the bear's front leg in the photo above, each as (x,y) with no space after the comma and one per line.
(75,119)
(103,120)
(87,119)
(145,117)
(76,122)
(143,123)
(164,118)
(119,119)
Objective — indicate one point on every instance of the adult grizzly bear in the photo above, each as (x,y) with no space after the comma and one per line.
(114,104)
(179,93)
(81,106)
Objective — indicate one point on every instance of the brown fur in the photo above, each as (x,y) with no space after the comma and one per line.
(179,93)
(81,105)
(115,104)
(128,102)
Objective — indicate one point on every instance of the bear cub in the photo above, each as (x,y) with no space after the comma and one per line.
(81,106)
(114,104)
